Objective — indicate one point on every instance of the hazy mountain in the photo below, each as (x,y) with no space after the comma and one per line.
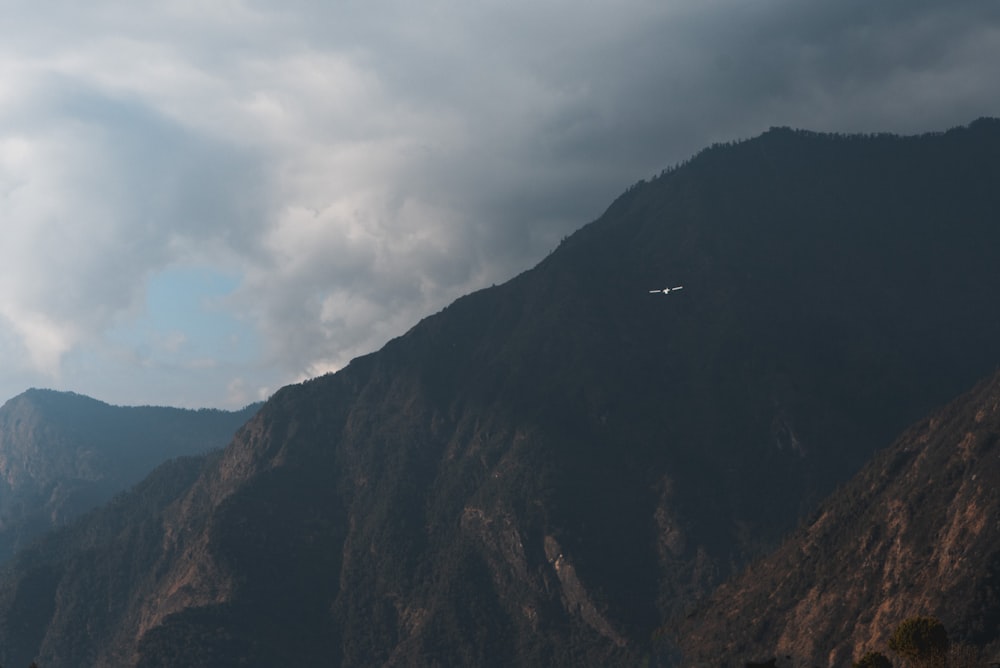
(917,532)
(63,453)
(552,471)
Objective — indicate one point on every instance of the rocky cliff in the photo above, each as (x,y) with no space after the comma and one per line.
(917,532)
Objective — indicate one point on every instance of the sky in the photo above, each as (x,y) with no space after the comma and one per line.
(201,202)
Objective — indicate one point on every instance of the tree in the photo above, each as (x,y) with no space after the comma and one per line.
(873,660)
(921,640)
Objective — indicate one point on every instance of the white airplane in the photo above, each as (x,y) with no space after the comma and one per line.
(666,291)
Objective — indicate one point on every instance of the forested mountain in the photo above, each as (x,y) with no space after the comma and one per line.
(557,470)
(916,533)
(62,454)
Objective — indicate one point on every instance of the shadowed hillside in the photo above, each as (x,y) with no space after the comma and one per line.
(62,454)
(550,471)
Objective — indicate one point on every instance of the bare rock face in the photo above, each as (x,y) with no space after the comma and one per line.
(574,595)
(917,532)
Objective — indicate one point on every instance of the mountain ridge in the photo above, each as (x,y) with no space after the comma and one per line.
(500,374)
(62,453)
(554,470)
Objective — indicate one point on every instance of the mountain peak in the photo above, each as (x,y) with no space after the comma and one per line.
(550,471)
(62,453)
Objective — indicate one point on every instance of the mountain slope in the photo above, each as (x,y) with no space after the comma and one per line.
(915,533)
(75,581)
(548,471)
(63,453)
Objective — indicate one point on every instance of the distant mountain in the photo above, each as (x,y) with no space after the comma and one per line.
(917,532)
(557,470)
(62,454)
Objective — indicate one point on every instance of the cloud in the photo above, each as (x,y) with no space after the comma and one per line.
(99,194)
(356,166)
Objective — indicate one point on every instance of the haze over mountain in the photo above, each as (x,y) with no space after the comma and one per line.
(554,471)
(62,454)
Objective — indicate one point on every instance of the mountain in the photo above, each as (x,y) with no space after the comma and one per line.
(63,453)
(557,470)
(916,532)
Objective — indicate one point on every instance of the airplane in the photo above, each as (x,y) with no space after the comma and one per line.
(666,291)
